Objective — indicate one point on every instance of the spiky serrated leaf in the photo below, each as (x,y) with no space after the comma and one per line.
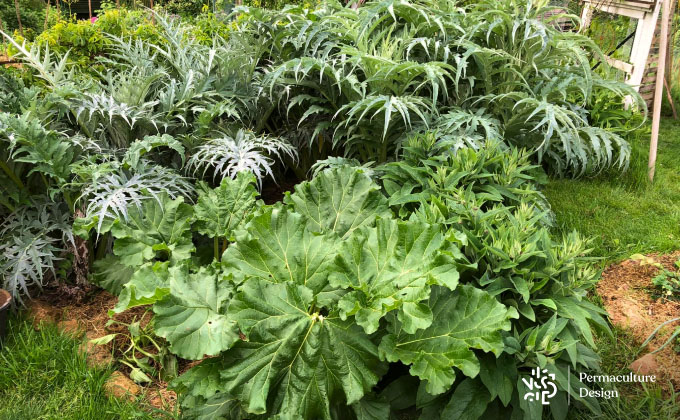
(159,226)
(392,266)
(464,319)
(221,210)
(193,317)
(339,200)
(296,362)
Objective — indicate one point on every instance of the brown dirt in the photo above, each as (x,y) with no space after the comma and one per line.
(120,386)
(70,327)
(5,298)
(97,356)
(625,289)
(646,365)
(86,315)
(41,312)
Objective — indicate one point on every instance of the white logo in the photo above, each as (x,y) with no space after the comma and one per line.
(542,388)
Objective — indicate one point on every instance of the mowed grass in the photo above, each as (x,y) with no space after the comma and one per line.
(43,376)
(623,213)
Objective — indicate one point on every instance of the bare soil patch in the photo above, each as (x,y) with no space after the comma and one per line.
(625,290)
(86,317)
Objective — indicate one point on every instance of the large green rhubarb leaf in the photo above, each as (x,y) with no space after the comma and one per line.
(219,407)
(193,316)
(464,319)
(221,210)
(339,200)
(110,274)
(147,285)
(160,229)
(279,248)
(392,266)
(296,362)
(202,396)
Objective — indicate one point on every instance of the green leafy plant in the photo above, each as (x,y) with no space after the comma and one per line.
(666,282)
(315,299)
(414,270)
(361,81)
(142,352)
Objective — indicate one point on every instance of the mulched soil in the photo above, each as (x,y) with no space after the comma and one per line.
(627,293)
(85,315)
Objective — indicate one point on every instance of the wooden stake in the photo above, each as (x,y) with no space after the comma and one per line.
(669,46)
(47,15)
(89,8)
(658,91)
(670,97)
(16,7)
(4,45)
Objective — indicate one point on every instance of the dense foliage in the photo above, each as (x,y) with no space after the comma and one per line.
(418,255)
(32,16)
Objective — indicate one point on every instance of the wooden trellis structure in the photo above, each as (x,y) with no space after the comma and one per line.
(642,67)
(645,68)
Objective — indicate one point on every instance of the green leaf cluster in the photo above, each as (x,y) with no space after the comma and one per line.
(317,298)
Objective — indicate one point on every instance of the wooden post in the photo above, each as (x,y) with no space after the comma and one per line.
(669,96)
(669,46)
(16,7)
(153,13)
(4,45)
(658,91)
(47,15)
(89,8)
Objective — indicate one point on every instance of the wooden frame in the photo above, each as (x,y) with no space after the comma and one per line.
(646,13)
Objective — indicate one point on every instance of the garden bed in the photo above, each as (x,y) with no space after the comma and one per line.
(87,317)
(626,291)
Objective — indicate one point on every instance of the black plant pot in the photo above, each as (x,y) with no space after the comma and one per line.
(5,302)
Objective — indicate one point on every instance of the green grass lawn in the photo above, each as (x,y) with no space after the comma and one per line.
(624,214)
(43,376)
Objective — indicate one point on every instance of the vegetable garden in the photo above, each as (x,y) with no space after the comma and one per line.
(415,269)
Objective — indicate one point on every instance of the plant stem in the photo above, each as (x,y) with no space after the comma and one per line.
(69,201)
(264,119)
(7,204)
(383,152)
(6,169)
(216,247)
